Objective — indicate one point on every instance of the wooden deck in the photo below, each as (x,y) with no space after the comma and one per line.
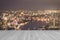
(30,35)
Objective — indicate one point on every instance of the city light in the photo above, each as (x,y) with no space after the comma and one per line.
(26,19)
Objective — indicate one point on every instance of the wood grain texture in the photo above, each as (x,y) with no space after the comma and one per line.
(30,35)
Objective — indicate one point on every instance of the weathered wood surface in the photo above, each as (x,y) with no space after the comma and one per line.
(30,35)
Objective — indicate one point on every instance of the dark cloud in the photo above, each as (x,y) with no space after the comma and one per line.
(29,4)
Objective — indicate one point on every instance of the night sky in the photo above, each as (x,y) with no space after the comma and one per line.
(29,4)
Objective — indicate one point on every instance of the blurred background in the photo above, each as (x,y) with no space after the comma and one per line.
(29,14)
(29,4)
